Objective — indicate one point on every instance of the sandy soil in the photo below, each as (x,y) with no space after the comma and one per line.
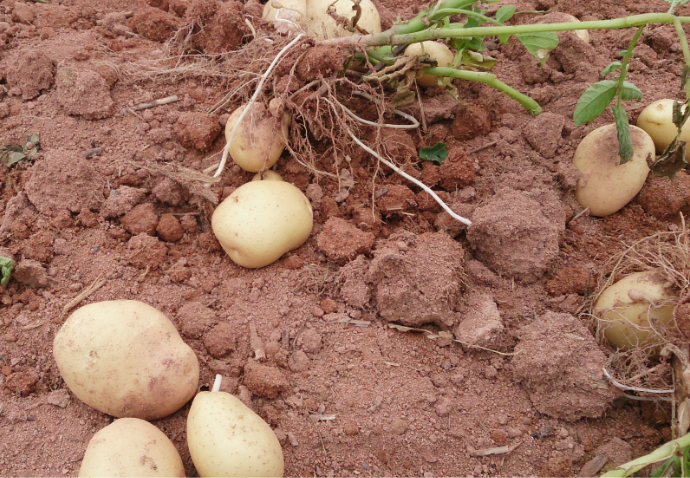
(356,396)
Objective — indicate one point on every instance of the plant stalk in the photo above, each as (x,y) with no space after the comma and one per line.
(490,79)
(662,453)
(626,60)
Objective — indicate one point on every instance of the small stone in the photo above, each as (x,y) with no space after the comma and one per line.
(169,228)
(328,305)
(500,437)
(31,273)
(22,383)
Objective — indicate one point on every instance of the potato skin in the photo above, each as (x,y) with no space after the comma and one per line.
(657,120)
(251,149)
(625,321)
(439,52)
(370,20)
(606,186)
(226,438)
(297,12)
(262,220)
(131,447)
(126,359)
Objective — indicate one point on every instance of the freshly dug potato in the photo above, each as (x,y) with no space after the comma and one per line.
(286,11)
(226,438)
(126,359)
(657,120)
(435,50)
(325,26)
(268,176)
(259,140)
(631,309)
(606,185)
(262,220)
(131,447)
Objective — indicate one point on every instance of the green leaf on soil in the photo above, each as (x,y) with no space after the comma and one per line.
(6,265)
(630,92)
(13,153)
(538,42)
(505,13)
(625,147)
(594,101)
(613,66)
(436,153)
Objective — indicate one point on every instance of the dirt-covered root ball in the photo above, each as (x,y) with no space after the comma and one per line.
(262,220)
(606,185)
(634,311)
(131,447)
(657,120)
(226,438)
(260,138)
(324,25)
(436,51)
(126,359)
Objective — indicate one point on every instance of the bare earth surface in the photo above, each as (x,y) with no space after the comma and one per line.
(346,394)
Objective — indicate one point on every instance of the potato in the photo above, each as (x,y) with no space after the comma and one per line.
(628,310)
(262,220)
(657,120)
(131,447)
(126,359)
(268,176)
(294,11)
(252,148)
(325,26)
(606,185)
(437,51)
(226,438)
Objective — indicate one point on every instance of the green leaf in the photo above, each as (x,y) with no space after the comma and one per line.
(594,101)
(505,13)
(477,60)
(630,92)
(8,158)
(503,39)
(436,153)
(538,42)
(13,153)
(625,147)
(6,265)
(660,471)
(613,66)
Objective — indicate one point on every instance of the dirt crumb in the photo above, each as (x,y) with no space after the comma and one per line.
(557,466)
(197,130)
(84,93)
(28,72)
(470,121)
(121,201)
(32,273)
(142,219)
(457,171)
(224,31)
(153,23)
(662,197)
(481,323)
(169,228)
(264,381)
(21,382)
(320,61)
(341,241)
(145,251)
(220,340)
(543,133)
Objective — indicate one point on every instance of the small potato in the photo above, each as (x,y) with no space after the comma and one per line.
(657,120)
(631,309)
(606,185)
(126,359)
(262,220)
(131,447)
(289,12)
(267,176)
(325,26)
(437,51)
(259,140)
(226,438)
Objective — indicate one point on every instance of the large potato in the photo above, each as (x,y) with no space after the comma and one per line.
(259,140)
(262,220)
(632,309)
(606,185)
(657,120)
(126,359)
(131,447)
(325,26)
(226,438)
(436,51)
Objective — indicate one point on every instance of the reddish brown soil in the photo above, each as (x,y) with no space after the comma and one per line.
(404,404)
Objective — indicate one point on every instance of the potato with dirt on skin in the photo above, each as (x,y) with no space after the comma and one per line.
(131,447)
(324,25)
(262,220)
(267,176)
(436,51)
(289,12)
(126,359)
(606,185)
(630,310)
(260,138)
(657,120)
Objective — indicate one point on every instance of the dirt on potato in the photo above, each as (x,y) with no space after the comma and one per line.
(396,341)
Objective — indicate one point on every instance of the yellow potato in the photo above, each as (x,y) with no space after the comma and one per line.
(437,51)
(131,447)
(325,26)
(226,438)
(262,220)
(606,186)
(268,176)
(126,359)
(657,120)
(286,11)
(259,140)
(631,309)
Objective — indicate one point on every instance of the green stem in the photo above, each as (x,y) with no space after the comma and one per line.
(422,21)
(662,453)
(491,80)
(461,11)
(626,60)
(683,41)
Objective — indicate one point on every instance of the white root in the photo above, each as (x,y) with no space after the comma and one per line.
(217,382)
